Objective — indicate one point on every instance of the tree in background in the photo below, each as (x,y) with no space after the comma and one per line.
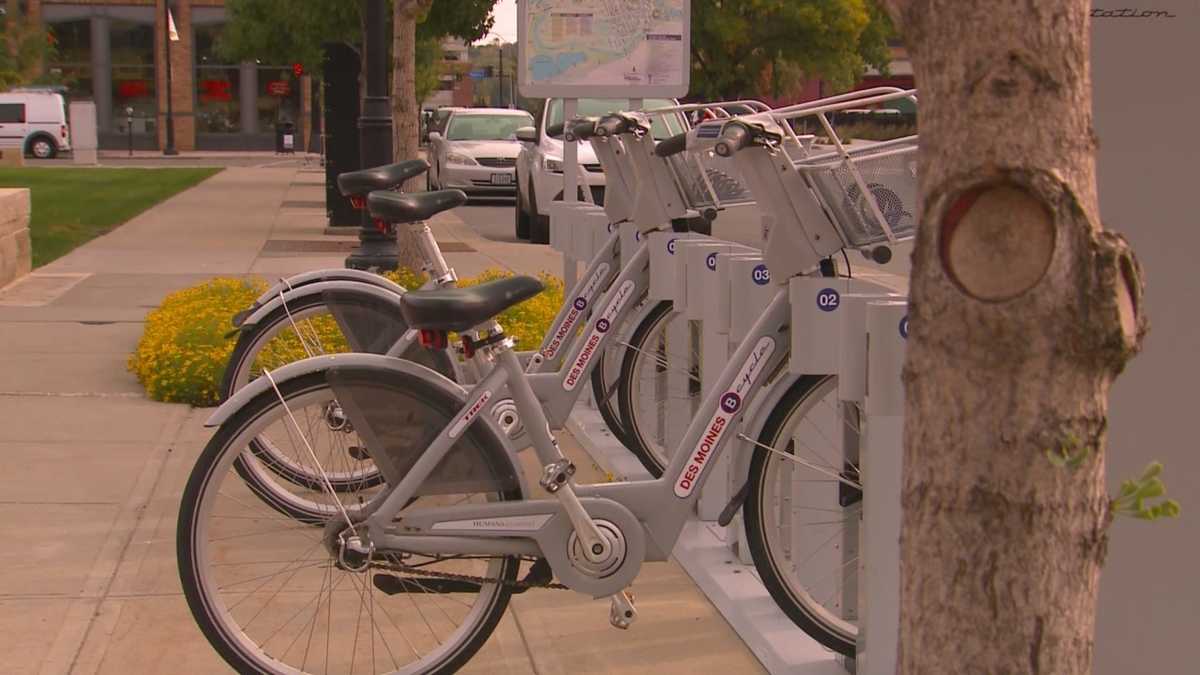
(467,19)
(1024,309)
(745,48)
(286,31)
(27,45)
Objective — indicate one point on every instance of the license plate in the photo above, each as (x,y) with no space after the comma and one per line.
(502,179)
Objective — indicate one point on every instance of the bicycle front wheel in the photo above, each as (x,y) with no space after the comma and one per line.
(273,595)
(660,370)
(803,511)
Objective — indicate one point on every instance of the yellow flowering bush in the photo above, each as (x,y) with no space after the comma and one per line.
(183,350)
(187,342)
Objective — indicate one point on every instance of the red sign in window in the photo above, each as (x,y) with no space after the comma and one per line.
(133,89)
(279,88)
(215,91)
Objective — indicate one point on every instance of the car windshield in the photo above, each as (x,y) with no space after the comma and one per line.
(662,128)
(486,127)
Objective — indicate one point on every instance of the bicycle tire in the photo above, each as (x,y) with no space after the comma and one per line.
(770,560)
(637,426)
(198,557)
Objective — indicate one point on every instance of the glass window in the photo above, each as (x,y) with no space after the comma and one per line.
(594,107)
(133,87)
(132,43)
(472,127)
(11,113)
(72,40)
(278,97)
(218,107)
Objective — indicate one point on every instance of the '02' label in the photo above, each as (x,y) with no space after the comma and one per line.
(730,403)
(578,305)
(603,324)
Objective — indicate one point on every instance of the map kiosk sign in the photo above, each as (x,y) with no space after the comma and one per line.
(604,48)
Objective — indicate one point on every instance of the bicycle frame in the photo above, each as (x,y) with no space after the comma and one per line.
(538,527)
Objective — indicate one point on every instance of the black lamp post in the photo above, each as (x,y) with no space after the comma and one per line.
(169,149)
(376,249)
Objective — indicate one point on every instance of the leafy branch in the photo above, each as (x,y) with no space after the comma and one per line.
(1135,493)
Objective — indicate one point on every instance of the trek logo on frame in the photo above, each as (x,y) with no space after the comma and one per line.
(603,324)
(471,414)
(578,305)
(730,404)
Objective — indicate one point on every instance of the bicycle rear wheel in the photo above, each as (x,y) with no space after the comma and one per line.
(303,328)
(270,594)
(803,510)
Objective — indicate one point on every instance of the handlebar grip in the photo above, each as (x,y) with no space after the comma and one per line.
(734,137)
(671,146)
(554,130)
(612,126)
(583,129)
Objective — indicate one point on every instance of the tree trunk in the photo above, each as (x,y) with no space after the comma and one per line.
(405,112)
(1023,310)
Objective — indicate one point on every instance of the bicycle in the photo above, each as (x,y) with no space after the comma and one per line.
(365,307)
(453,518)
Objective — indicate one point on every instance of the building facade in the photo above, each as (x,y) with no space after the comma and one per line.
(112,52)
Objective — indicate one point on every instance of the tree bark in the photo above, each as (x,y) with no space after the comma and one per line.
(1023,310)
(405,111)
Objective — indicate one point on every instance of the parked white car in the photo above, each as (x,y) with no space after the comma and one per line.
(540,164)
(36,122)
(478,151)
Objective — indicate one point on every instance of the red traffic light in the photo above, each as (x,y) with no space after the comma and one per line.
(298,69)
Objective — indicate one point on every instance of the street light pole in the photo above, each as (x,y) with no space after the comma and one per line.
(169,148)
(376,249)
(501,48)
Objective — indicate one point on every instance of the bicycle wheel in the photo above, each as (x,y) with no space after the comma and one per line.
(270,594)
(606,378)
(647,385)
(803,511)
(304,328)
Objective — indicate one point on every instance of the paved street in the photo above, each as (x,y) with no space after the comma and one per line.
(91,472)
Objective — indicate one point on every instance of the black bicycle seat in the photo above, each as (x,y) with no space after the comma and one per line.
(410,207)
(355,183)
(460,309)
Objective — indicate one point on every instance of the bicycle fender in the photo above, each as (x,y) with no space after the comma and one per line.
(385,364)
(329,274)
(385,295)
(754,421)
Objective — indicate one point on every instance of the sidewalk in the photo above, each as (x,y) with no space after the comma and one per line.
(91,471)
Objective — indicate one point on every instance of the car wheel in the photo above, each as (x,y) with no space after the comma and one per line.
(539,225)
(42,148)
(522,217)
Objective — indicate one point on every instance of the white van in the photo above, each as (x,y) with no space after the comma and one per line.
(34,121)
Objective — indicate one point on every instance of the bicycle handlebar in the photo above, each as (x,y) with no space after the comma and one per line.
(734,137)
(612,125)
(583,129)
(671,146)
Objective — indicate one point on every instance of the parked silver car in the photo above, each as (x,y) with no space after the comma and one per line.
(478,151)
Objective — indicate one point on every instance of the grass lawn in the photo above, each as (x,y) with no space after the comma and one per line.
(72,206)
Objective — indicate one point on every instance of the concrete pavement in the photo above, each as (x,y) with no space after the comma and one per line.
(91,471)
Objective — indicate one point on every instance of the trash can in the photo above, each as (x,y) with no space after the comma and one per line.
(285,138)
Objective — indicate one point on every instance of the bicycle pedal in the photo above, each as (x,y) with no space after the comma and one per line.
(622,613)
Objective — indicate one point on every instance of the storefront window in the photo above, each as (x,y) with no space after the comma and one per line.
(71,64)
(278,97)
(218,109)
(133,80)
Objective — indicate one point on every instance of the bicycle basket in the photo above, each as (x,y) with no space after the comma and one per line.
(888,171)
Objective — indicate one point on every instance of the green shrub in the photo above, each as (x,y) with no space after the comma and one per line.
(186,344)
